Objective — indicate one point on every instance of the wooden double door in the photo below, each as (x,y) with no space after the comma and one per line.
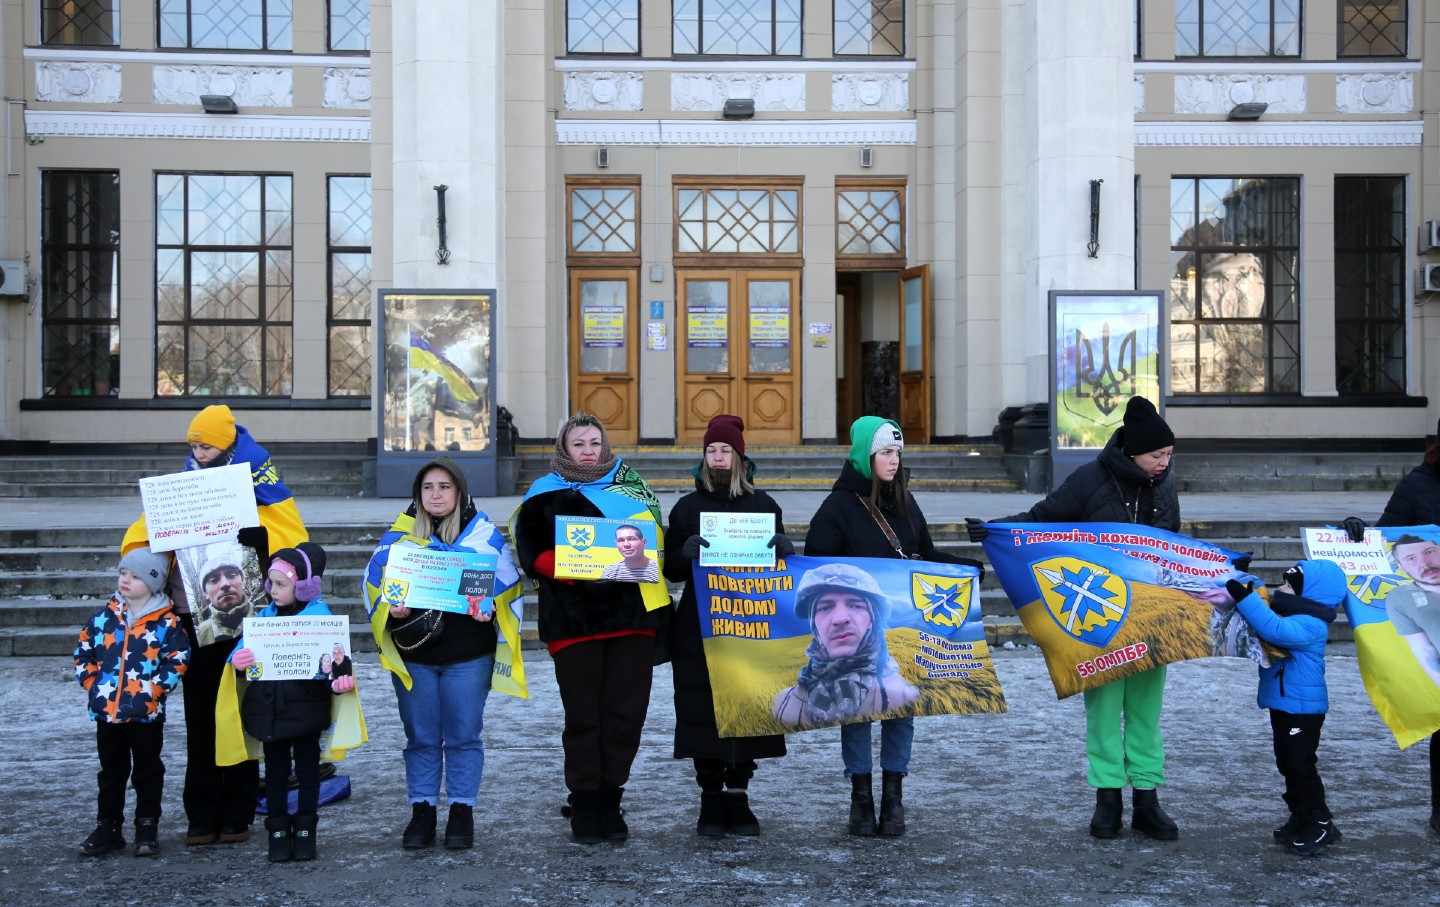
(737,345)
(604,352)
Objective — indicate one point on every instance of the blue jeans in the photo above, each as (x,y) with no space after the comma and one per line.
(444,713)
(896,737)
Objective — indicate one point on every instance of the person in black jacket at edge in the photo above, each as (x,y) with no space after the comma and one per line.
(723,767)
(867,507)
(1415,502)
(1129,482)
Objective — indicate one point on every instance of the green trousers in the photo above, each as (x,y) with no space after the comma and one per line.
(1131,753)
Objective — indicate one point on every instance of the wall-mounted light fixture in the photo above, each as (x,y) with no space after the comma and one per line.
(739,109)
(1248,112)
(867,157)
(442,254)
(218,103)
(1093,246)
(602,159)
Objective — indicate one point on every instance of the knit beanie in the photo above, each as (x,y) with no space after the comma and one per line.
(869,434)
(149,567)
(727,430)
(213,425)
(1144,429)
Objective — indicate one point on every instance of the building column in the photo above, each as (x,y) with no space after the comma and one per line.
(1075,124)
(448,128)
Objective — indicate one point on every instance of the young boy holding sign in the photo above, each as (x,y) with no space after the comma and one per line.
(288,716)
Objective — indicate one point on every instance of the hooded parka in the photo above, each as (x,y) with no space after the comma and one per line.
(1110,489)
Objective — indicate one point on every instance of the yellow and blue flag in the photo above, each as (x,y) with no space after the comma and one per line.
(426,358)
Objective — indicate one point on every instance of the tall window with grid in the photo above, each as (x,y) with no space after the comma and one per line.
(1377,28)
(1235,285)
(1370,284)
(743,28)
(83,23)
(602,26)
(80,282)
(349,228)
(224,286)
(737,220)
(1237,28)
(225,24)
(348,26)
(869,28)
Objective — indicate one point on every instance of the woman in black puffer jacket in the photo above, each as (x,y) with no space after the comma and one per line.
(1129,482)
(723,767)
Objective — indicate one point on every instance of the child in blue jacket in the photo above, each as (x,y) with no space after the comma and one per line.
(288,717)
(1297,619)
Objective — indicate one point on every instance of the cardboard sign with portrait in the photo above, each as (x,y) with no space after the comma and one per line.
(223,584)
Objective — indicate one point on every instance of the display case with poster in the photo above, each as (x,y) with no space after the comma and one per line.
(1105,347)
(436,386)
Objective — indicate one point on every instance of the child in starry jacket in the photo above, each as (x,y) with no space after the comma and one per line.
(131,654)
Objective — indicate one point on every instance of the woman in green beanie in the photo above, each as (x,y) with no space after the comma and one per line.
(870,513)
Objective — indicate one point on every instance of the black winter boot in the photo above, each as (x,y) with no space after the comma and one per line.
(1109,814)
(1149,819)
(147,837)
(281,836)
(862,806)
(892,805)
(612,817)
(1435,821)
(460,827)
(106,838)
(1287,831)
(739,820)
(711,823)
(585,817)
(420,832)
(305,836)
(1317,833)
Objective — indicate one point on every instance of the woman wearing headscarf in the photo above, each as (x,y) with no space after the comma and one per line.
(871,513)
(443,663)
(1129,482)
(724,483)
(601,634)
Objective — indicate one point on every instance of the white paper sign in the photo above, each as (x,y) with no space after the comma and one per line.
(1367,558)
(298,648)
(197,507)
(737,539)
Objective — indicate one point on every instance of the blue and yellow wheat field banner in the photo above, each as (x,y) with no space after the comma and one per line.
(1396,621)
(1107,600)
(816,642)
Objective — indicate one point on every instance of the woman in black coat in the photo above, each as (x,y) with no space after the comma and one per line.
(723,767)
(1129,482)
(870,513)
(1415,502)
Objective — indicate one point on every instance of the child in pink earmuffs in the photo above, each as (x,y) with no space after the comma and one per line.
(288,716)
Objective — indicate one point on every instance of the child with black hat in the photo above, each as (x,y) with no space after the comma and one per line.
(288,716)
(130,656)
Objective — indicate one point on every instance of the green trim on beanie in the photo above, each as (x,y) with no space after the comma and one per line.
(862,434)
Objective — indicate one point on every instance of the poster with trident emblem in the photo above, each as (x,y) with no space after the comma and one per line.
(1105,347)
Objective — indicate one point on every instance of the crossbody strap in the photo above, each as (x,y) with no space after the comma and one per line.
(884,525)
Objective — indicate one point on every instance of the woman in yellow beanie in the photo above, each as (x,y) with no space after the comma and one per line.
(220,801)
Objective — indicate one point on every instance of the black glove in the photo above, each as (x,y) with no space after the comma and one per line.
(1354,527)
(1239,590)
(1242,563)
(691,549)
(976,529)
(782,545)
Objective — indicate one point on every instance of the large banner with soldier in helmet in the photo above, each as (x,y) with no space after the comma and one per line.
(817,642)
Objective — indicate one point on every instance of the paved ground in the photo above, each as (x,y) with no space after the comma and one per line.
(998,807)
(939,507)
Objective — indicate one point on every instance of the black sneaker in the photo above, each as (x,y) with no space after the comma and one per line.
(1313,836)
(106,838)
(1287,831)
(147,837)
(420,833)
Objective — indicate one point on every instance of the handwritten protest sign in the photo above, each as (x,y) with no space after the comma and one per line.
(737,539)
(438,580)
(297,648)
(197,507)
(1367,558)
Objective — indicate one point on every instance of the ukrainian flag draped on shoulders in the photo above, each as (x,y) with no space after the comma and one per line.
(275,503)
(620,494)
(481,537)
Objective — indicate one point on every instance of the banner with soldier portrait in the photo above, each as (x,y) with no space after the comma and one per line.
(817,642)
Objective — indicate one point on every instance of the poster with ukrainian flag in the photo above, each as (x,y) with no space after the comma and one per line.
(1396,620)
(1107,600)
(817,642)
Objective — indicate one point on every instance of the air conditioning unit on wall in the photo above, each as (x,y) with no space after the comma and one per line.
(14,279)
(1429,236)
(1428,280)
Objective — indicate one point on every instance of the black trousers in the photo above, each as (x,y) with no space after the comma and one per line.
(1297,737)
(715,774)
(304,754)
(216,797)
(605,688)
(130,752)
(1435,771)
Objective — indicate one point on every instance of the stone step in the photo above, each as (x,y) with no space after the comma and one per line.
(323,488)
